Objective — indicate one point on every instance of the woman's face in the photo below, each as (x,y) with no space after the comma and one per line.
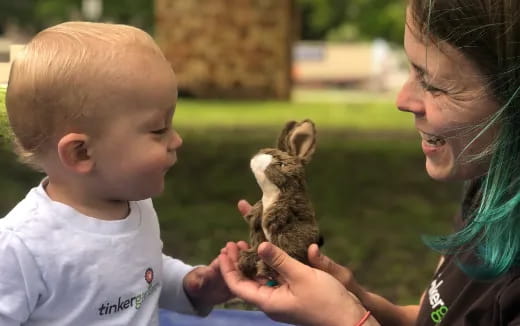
(448,97)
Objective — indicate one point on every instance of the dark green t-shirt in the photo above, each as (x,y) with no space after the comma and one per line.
(454,299)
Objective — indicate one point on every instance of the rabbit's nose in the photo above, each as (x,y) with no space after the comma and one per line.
(260,162)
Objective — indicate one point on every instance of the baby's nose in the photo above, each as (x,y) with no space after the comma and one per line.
(175,141)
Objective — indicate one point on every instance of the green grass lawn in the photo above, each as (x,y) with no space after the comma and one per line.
(367,181)
(353,116)
(364,114)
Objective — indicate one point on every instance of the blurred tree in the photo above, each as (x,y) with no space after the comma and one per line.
(51,12)
(17,12)
(347,20)
(320,16)
(336,20)
(137,13)
(34,15)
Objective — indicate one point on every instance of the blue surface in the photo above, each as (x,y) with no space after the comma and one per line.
(218,317)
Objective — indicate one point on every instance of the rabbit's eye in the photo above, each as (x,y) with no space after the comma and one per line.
(281,164)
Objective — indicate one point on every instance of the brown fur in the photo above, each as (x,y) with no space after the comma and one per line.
(290,220)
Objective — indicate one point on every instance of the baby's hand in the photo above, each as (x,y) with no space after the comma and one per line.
(205,287)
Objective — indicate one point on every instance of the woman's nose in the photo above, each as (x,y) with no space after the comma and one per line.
(411,98)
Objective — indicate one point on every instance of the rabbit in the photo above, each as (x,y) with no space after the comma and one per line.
(284,215)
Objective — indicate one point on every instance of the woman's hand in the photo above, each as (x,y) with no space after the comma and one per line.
(305,296)
(322,262)
(339,272)
(244,207)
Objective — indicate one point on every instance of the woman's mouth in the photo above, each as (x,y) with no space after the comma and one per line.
(432,140)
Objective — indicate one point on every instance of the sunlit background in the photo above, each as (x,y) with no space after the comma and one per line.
(245,67)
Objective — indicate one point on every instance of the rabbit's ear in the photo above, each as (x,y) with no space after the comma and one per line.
(300,139)
(283,139)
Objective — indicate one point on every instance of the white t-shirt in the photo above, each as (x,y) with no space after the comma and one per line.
(60,267)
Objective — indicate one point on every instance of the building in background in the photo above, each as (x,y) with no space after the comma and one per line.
(373,66)
(8,52)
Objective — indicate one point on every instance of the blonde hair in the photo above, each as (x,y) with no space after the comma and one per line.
(47,92)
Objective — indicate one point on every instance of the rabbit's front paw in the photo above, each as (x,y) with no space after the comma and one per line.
(265,271)
(247,263)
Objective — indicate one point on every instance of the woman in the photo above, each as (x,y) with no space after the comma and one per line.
(463,91)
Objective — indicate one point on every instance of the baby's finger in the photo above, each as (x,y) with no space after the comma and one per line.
(214,265)
(194,280)
(244,207)
(232,251)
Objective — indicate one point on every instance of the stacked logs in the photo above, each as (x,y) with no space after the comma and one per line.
(228,48)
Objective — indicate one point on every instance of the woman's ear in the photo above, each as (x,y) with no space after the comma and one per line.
(74,153)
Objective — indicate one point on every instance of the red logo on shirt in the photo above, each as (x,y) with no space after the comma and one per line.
(148,275)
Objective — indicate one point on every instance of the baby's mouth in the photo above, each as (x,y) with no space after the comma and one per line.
(432,140)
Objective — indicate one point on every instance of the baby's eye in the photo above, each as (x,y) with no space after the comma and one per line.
(160,131)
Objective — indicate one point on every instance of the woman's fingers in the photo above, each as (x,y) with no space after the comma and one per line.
(242,245)
(319,261)
(242,287)
(232,251)
(289,268)
(295,300)
(244,207)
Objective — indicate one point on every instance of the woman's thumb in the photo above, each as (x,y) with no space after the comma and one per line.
(288,267)
(243,207)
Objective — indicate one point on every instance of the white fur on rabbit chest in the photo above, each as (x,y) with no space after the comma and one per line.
(259,164)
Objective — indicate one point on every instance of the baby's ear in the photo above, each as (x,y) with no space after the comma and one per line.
(299,139)
(73,151)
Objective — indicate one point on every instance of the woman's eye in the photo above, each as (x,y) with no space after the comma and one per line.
(429,88)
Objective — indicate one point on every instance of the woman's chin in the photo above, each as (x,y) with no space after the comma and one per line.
(440,172)
(455,172)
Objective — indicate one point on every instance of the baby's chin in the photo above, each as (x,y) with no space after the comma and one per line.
(156,193)
(149,193)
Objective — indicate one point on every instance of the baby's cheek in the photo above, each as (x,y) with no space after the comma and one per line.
(154,161)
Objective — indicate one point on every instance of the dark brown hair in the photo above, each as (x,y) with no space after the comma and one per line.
(487,32)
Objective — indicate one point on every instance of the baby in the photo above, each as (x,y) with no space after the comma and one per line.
(91,105)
